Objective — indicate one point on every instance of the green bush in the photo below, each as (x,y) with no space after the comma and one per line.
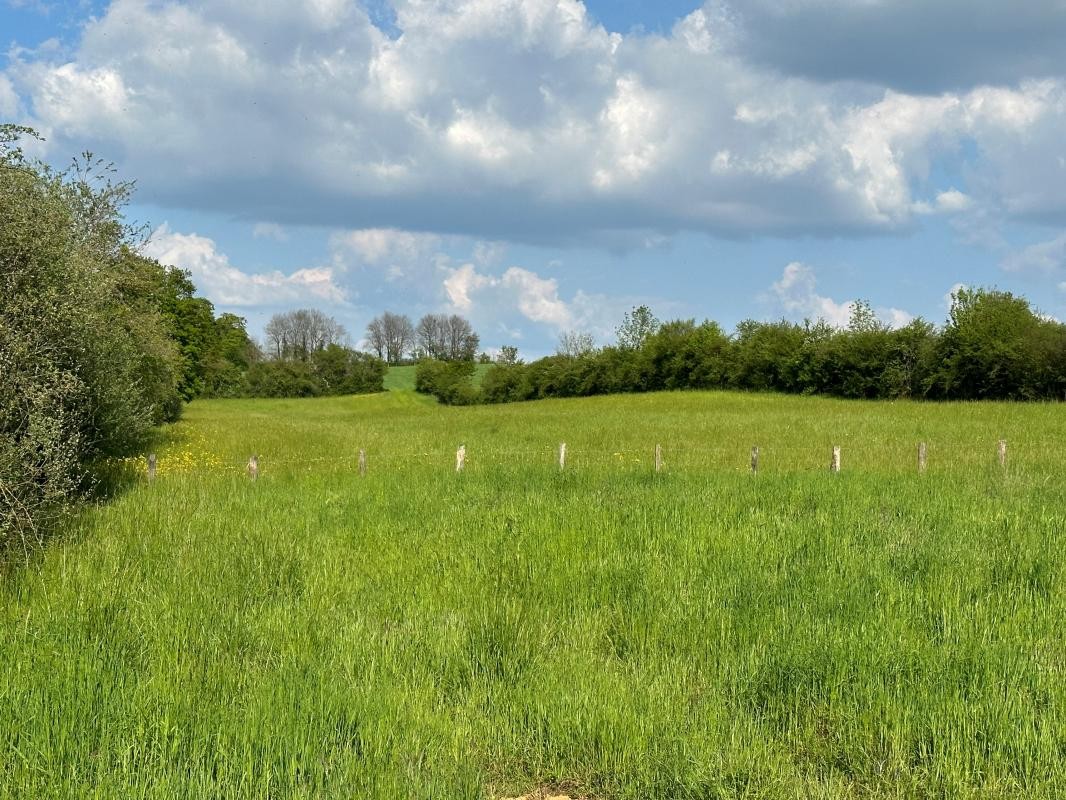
(341,370)
(281,379)
(334,370)
(449,381)
(87,368)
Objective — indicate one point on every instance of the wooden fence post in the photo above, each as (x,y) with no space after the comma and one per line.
(834,465)
(1002,452)
(921,457)
(362,462)
(658,458)
(151,467)
(460,458)
(253,468)
(562,456)
(755,460)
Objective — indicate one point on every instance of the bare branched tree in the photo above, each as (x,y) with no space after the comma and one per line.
(575,344)
(448,338)
(295,335)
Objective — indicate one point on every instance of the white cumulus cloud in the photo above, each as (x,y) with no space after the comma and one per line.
(226,285)
(535,298)
(796,295)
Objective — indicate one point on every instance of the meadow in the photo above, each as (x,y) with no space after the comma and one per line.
(602,631)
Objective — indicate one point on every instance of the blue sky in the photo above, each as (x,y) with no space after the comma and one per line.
(544,165)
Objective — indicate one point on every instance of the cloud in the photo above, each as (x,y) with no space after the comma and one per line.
(226,285)
(525,120)
(270,230)
(796,295)
(1049,256)
(912,45)
(9,101)
(535,298)
(385,246)
(950,202)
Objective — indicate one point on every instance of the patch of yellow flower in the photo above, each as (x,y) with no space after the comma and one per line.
(192,454)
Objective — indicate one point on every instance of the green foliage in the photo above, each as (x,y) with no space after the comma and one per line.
(86,363)
(98,345)
(333,370)
(281,379)
(993,347)
(508,355)
(341,370)
(504,383)
(682,355)
(637,325)
(449,381)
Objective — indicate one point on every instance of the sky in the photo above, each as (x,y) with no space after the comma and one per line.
(542,166)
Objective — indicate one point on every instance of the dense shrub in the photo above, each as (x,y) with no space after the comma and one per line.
(449,381)
(333,370)
(87,367)
(281,379)
(98,344)
(341,370)
(504,383)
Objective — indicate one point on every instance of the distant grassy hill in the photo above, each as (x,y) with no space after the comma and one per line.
(403,378)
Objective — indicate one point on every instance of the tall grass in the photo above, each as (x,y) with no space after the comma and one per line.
(701,633)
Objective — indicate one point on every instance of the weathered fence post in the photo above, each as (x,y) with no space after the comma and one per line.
(755,460)
(658,458)
(362,462)
(460,458)
(834,465)
(562,456)
(151,467)
(253,468)
(921,456)
(1002,452)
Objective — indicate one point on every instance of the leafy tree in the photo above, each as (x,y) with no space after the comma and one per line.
(637,325)
(683,355)
(989,347)
(863,319)
(768,356)
(508,355)
(504,383)
(282,379)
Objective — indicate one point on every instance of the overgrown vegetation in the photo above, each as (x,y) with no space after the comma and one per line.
(701,633)
(88,365)
(99,345)
(332,370)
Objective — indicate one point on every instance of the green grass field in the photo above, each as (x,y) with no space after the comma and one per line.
(605,631)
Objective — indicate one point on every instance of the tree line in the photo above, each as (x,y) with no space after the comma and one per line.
(993,346)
